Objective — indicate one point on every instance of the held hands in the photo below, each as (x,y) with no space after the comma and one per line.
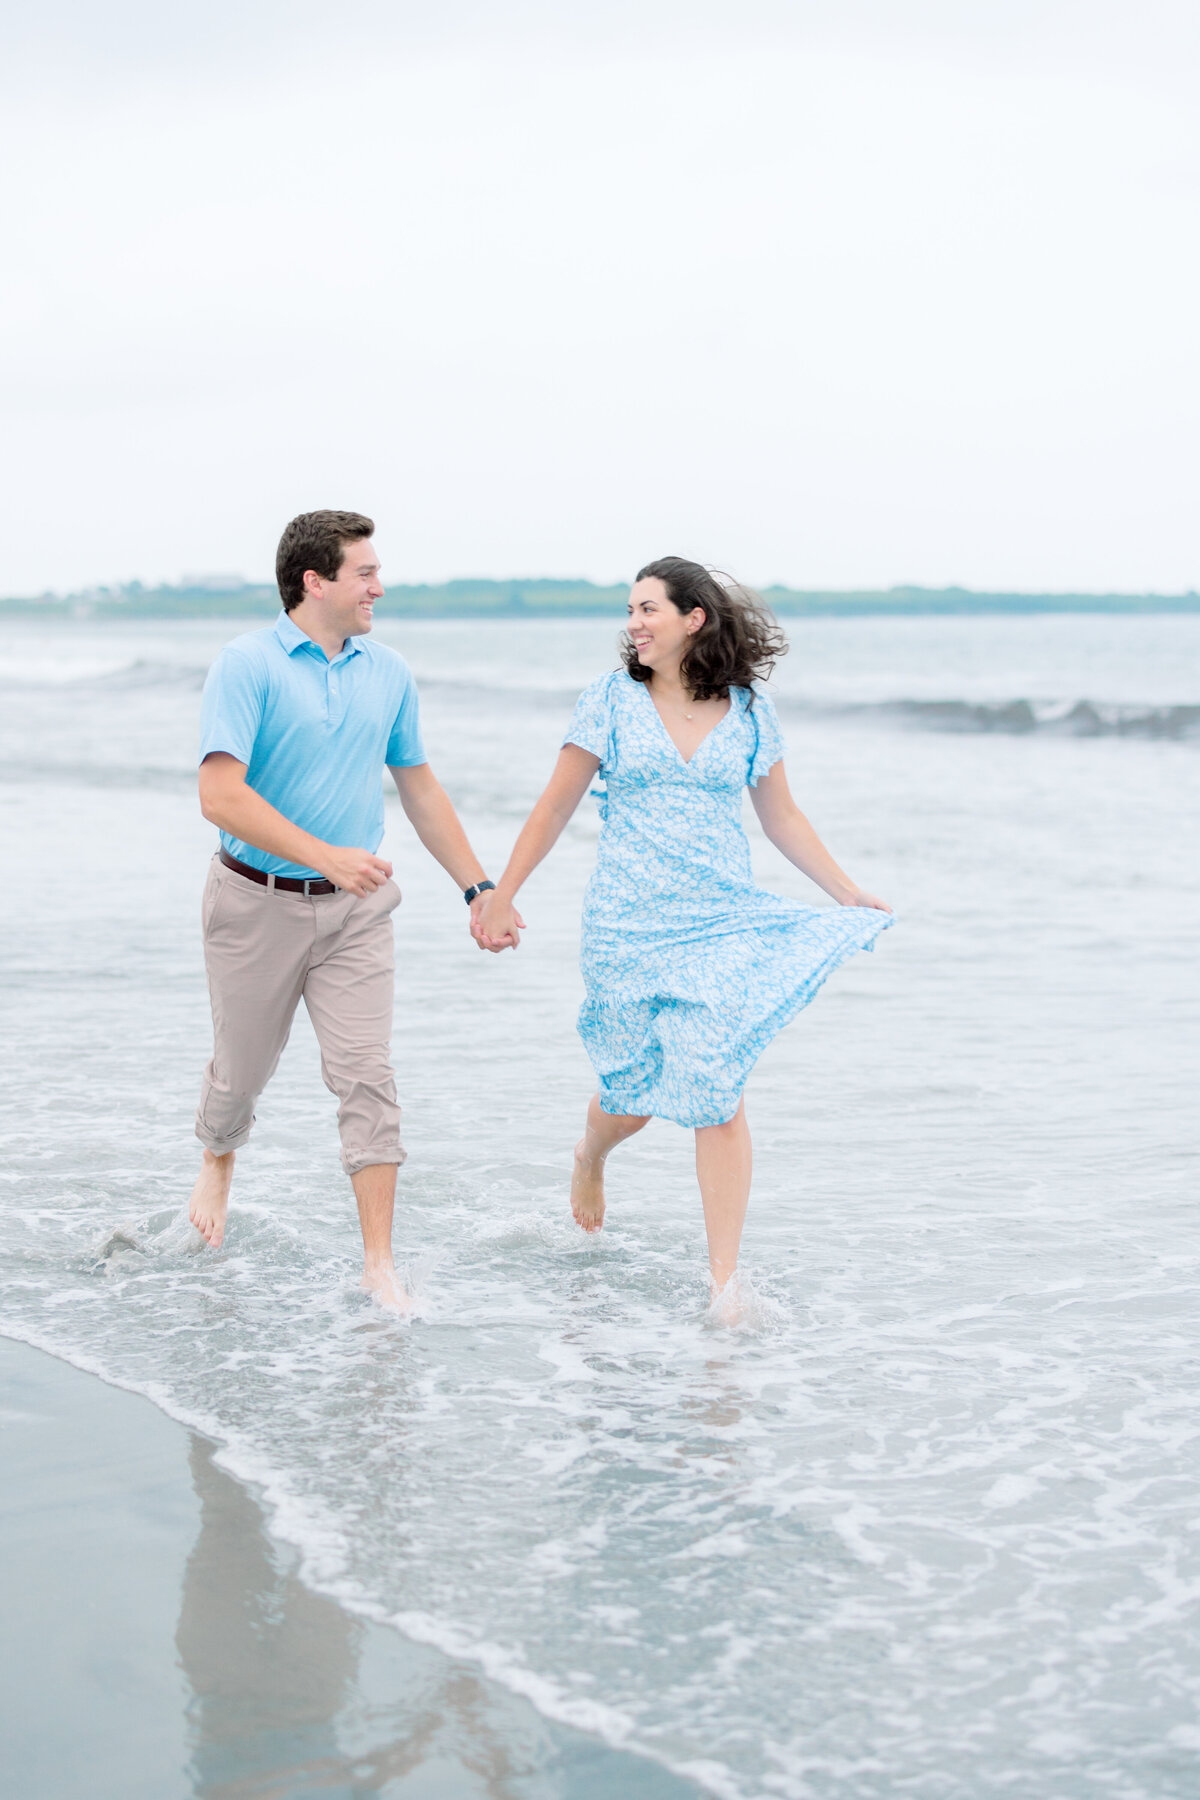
(357,871)
(495,922)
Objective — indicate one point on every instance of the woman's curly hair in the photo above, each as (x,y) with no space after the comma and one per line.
(739,642)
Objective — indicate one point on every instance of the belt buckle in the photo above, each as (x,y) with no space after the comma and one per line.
(307,885)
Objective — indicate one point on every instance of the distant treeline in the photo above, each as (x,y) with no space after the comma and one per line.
(568,599)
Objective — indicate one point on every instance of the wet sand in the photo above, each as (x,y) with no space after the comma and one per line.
(157,1643)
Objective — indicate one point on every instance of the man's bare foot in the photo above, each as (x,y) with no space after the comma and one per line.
(587,1191)
(210,1197)
(383,1284)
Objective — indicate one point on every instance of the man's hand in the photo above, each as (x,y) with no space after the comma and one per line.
(232,806)
(495,923)
(357,871)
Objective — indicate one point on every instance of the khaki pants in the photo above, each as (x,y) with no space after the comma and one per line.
(264,952)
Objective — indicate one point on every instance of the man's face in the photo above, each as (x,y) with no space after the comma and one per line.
(349,602)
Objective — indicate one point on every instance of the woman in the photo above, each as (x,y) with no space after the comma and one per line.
(690,968)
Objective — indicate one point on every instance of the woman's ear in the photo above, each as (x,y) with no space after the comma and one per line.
(696,618)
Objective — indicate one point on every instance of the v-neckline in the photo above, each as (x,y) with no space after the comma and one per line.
(687,761)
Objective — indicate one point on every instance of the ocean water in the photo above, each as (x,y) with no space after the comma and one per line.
(926,1523)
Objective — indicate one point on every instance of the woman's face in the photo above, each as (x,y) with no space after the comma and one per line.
(660,632)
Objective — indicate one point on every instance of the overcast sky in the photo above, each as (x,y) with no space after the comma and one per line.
(829,292)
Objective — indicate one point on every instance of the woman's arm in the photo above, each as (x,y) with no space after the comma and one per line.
(432,816)
(497,919)
(787,828)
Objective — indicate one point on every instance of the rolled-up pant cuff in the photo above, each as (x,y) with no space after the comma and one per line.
(354,1160)
(222,1146)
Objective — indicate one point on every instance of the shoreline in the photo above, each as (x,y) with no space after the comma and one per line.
(151,1607)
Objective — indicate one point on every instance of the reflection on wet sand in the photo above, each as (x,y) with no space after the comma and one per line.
(291,1696)
(268,1662)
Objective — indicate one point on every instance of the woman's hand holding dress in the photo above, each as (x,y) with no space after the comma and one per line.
(858,898)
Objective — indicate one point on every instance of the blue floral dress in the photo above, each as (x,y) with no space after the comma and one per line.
(690,968)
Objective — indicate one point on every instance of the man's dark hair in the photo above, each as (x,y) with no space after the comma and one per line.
(316,541)
(738,643)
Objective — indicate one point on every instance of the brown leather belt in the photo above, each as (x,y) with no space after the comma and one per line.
(284,884)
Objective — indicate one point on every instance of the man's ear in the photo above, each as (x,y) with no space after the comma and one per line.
(312,582)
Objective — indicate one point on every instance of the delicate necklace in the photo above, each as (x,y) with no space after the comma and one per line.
(689,715)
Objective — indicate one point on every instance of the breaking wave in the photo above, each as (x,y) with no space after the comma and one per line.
(1078,718)
(1022,717)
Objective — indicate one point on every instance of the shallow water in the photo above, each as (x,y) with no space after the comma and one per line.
(925,1523)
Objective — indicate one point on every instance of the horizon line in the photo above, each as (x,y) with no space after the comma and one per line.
(217,586)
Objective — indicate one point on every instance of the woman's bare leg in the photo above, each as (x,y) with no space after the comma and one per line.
(723,1163)
(604,1131)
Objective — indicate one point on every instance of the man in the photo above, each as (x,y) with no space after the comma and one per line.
(298,721)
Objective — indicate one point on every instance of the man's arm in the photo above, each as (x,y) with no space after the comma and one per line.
(439,828)
(230,805)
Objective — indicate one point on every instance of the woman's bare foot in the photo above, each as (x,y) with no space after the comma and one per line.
(210,1197)
(726,1301)
(383,1284)
(604,1132)
(587,1190)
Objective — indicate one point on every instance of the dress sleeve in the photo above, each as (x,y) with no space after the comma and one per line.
(769,745)
(591,722)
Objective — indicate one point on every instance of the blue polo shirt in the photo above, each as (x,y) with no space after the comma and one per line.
(314,735)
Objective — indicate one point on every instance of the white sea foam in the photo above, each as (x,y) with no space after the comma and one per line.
(61,670)
(741,1306)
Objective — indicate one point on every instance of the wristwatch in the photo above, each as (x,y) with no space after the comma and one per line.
(480,887)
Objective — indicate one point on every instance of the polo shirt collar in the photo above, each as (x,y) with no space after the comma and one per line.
(292,638)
